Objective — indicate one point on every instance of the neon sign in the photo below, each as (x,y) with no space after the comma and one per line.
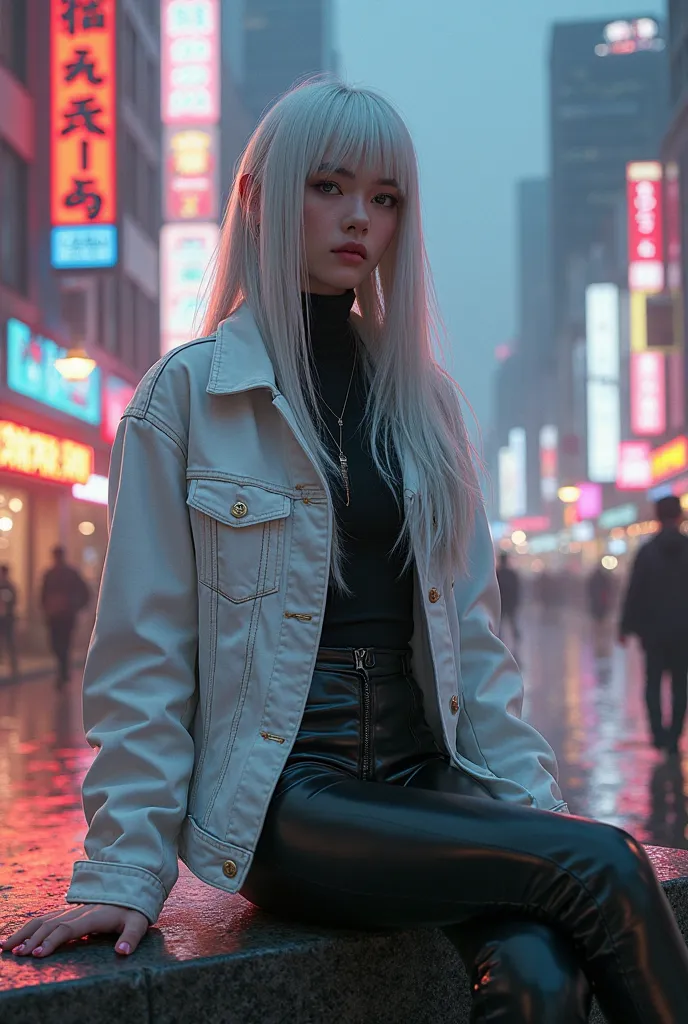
(35,454)
(83,197)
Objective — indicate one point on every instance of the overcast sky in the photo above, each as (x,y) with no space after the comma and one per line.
(470,77)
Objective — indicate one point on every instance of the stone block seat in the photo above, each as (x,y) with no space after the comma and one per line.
(215,959)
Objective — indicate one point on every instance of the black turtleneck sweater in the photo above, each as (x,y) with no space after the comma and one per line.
(379,612)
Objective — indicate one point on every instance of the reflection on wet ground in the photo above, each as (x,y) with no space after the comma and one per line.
(590,709)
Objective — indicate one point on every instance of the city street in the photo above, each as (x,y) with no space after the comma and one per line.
(591,711)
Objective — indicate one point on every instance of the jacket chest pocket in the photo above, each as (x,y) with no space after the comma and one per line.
(240,537)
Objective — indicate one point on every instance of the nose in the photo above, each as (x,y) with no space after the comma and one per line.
(357,216)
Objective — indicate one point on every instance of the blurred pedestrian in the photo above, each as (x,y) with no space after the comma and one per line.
(601,594)
(63,595)
(656,610)
(8,605)
(510,591)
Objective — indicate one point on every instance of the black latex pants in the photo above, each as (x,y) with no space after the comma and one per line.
(371,827)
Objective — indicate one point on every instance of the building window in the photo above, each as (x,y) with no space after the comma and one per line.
(13,36)
(13,218)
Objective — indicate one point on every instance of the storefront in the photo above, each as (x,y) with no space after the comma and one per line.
(54,453)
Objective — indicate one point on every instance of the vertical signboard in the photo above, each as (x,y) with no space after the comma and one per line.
(549,458)
(186,256)
(602,339)
(648,394)
(190,62)
(83,137)
(190,112)
(517,446)
(645,227)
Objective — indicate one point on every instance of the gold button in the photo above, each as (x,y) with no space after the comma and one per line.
(434,595)
(239,509)
(229,868)
(454,704)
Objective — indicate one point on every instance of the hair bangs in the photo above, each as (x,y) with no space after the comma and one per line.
(363,132)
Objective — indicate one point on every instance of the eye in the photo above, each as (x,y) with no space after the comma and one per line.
(386,199)
(327,187)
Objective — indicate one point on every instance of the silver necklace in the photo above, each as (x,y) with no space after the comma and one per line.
(343,461)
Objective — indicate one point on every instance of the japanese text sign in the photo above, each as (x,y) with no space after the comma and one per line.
(83,132)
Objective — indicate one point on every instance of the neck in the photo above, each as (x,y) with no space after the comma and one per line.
(328,327)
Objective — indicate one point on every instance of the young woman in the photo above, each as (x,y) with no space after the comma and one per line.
(294,680)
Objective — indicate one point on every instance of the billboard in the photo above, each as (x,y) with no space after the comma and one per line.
(645,227)
(187,252)
(648,394)
(602,342)
(634,472)
(190,58)
(31,372)
(83,134)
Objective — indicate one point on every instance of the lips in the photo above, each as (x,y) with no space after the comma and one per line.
(354,247)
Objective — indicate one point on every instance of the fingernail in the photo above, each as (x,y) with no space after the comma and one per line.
(124,947)
(38,950)
(18,949)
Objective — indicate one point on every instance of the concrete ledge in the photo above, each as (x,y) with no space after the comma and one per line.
(215,959)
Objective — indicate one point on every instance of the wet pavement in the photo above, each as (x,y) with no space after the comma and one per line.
(591,710)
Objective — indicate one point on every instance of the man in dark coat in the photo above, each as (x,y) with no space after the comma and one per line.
(656,611)
(510,591)
(63,595)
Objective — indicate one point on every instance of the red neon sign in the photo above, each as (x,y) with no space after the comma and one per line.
(645,227)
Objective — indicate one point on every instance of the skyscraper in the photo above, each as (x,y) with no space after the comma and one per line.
(608,106)
(283,42)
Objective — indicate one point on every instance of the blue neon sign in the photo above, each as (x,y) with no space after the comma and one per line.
(31,372)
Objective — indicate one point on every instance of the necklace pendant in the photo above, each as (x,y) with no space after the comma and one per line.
(344,468)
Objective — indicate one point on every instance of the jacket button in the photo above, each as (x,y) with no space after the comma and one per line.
(434,595)
(229,869)
(454,704)
(239,509)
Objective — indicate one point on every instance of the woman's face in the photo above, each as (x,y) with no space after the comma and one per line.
(350,217)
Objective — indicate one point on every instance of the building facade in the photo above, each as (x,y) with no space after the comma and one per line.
(56,435)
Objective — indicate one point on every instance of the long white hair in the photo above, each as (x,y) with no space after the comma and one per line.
(413,403)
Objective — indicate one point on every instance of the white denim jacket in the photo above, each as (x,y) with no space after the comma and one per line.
(208,624)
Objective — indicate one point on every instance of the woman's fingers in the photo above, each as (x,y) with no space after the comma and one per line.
(32,926)
(134,930)
(43,935)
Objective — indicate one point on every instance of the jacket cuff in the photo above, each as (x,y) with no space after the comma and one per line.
(121,885)
(561,808)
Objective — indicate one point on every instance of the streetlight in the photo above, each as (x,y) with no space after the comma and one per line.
(569,494)
(76,365)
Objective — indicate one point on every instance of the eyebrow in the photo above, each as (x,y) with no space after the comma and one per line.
(344,172)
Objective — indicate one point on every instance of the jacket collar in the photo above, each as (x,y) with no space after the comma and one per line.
(241,363)
(240,359)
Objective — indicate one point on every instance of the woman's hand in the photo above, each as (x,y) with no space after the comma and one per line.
(42,935)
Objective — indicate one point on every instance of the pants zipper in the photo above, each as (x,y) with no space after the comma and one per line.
(365,659)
